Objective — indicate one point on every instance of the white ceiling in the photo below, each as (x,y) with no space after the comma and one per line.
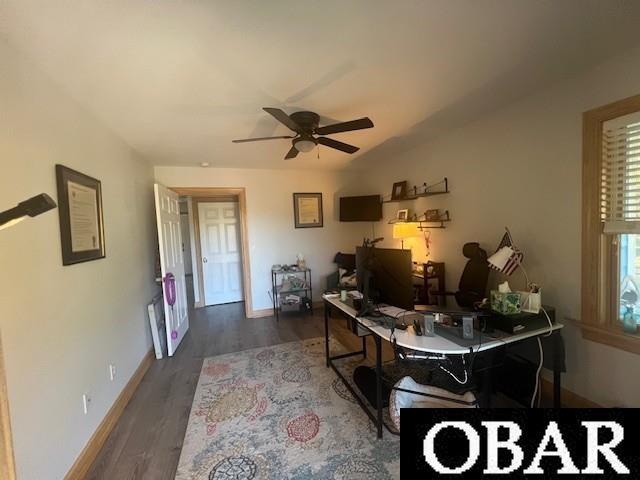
(178,80)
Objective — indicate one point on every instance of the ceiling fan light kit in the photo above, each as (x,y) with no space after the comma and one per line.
(304,144)
(305,125)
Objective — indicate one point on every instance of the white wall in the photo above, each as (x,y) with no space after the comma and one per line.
(272,236)
(521,167)
(62,326)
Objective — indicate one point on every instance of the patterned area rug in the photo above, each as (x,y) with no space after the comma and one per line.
(280,413)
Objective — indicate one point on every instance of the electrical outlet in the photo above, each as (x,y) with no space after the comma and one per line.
(112,372)
(86,402)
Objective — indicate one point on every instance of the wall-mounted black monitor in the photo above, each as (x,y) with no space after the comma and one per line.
(361,209)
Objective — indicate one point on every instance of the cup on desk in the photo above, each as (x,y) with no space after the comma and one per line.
(428,327)
(343,295)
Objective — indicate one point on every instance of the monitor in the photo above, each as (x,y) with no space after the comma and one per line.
(361,209)
(385,275)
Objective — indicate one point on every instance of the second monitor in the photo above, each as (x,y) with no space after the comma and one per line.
(385,275)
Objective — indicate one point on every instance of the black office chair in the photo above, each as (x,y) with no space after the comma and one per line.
(473,281)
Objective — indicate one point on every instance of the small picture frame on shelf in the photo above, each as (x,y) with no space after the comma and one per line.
(432,215)
(399,190)
(403,215)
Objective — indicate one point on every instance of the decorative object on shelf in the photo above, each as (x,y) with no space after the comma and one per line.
(427,242)
(307,210)
(81,218)
(32,207)
(399,191)
(432,215)
(405,230)
(403,215)
(300,261)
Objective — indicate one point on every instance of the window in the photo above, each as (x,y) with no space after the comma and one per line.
(629,282)
(611,225)
(620,211)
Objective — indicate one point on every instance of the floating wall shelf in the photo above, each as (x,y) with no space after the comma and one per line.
(426,193)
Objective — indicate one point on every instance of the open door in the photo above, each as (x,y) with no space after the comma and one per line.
(171,263)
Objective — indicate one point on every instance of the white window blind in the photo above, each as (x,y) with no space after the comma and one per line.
(620,175)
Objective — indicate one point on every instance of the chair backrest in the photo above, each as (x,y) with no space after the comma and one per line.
(473,281)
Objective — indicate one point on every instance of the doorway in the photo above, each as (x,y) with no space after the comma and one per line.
(219,255)
(220,247)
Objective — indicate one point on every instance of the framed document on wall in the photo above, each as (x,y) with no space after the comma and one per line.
(81,222)
(307,210)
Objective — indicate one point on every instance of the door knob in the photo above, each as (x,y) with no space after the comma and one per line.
(204,259)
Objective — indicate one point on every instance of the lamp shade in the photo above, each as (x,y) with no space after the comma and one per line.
(32,207)
(405,230)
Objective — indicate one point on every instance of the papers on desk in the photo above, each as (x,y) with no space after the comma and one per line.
(392,311)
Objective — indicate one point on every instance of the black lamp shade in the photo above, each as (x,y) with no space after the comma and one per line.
(31,208)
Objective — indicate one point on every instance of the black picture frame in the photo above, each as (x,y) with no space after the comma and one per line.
(298,218)
(71,256)
(399,190)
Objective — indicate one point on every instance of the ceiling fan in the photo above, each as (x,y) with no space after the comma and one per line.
(308,134)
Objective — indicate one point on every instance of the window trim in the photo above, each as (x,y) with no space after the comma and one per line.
(599,321)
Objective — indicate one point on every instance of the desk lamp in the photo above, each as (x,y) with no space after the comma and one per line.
(405,230)
(29,208)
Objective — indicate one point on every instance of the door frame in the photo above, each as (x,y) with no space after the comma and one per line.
(202,194)
(7,458)
(196,231)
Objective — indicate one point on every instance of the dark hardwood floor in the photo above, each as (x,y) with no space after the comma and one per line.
(146,442)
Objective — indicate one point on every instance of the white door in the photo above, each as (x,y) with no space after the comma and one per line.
(171,261)
(220,246)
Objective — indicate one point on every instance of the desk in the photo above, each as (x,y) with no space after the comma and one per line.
(406,339)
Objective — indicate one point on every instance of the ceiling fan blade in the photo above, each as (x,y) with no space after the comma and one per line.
(283,118)
(259,139)
(293,153)
(359,124)
(330,142)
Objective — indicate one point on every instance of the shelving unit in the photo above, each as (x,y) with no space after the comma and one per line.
(423,224)
(426,193)
(278,293)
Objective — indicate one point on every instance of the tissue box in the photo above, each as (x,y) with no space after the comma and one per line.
(507,303)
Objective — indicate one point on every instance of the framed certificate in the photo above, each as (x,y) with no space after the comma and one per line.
(307,210)
(80,211)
